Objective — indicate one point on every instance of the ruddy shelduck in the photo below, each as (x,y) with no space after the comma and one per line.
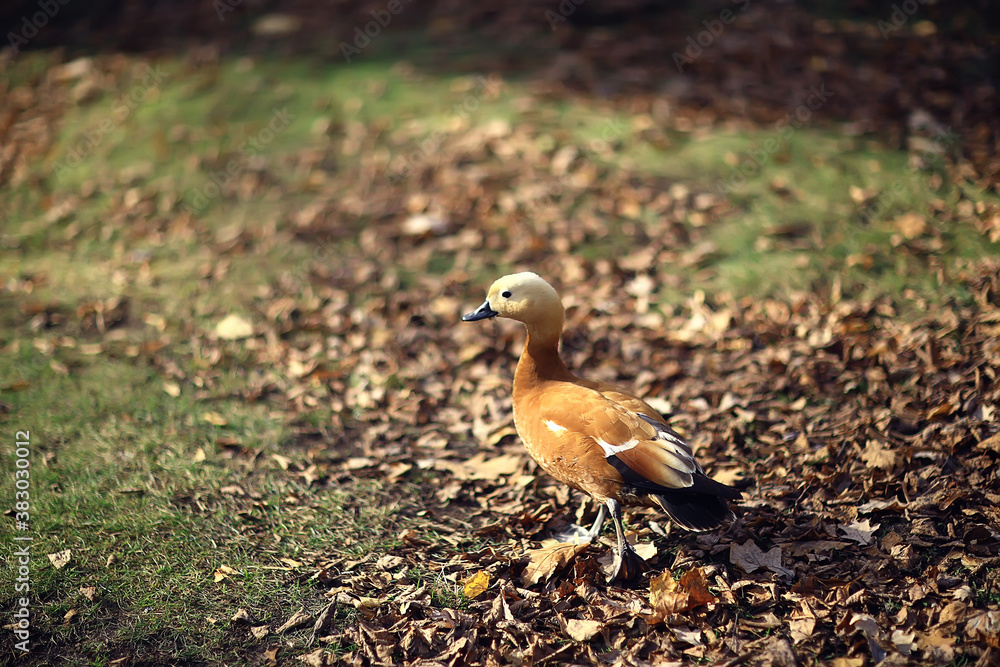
(596,437)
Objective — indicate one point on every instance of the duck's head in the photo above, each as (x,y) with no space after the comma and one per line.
(524,297)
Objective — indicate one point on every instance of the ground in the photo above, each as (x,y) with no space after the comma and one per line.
(258,433)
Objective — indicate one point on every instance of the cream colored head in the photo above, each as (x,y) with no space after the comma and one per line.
(524,297)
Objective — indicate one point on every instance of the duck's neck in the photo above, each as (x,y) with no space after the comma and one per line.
(540,361)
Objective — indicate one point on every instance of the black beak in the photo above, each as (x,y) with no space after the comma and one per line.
(482,313)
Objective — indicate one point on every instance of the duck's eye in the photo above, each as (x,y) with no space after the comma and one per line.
(505,294)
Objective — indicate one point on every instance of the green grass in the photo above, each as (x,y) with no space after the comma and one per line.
(221,106)
(115,478)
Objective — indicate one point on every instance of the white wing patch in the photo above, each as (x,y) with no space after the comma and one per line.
(671,438)
(554,427)
(678,449)
(611,450)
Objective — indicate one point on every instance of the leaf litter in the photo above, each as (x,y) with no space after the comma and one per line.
(839,551)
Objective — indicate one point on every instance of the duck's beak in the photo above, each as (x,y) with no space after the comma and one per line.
(482,313)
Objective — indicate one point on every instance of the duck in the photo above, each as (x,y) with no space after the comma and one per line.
(596,437)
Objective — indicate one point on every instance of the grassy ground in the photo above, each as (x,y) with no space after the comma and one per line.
(181,496)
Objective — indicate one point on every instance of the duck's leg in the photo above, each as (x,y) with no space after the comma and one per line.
(627,564)
(580,534)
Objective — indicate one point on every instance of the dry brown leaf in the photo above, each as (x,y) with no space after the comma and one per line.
(749,557)
(797,549)
(315,658)
(553,555)
(877,505)
(688,636)
(582,630)
(233,327)
(695,584)
(910,225)
(801,629)
(942,409)
(60,559)
(241,616)
(295,620)
(991,443)
(905,642)
(214,418)
(666,597)
(481,467)
(869,626)
(862,532)
(877,456)
(984,626)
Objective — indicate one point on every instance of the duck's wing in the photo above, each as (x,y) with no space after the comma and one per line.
(646,452)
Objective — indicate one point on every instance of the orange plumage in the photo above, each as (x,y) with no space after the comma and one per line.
(594,436)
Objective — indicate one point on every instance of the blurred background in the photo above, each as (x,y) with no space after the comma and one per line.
(236,238)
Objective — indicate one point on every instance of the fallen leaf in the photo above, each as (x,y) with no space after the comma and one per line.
(60,559)
(477,584)
(389,562)
(89,592)
(694,583)
(688,636)
(645,550)
(665,596)
(869,626)
(801,629)
(905,642)
(984,626)
(214,418)
(582,630)
(797,549)
(749,557)
(552,555)
(315,658)
(241,616)
(992,443)
(295,620)
(233,327)
(878,505)
(424,225)
(223,572)
(877,456)
(910,225)
(480,467)
(943,409)
(862,532)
